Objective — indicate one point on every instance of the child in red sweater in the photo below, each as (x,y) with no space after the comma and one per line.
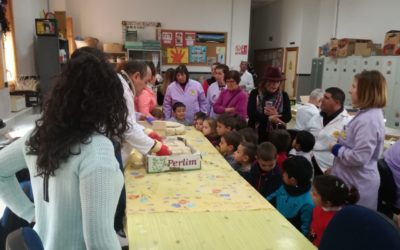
(329,194)
(281,140)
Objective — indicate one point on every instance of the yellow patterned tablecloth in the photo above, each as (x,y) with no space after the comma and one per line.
(215,187)
(211,208)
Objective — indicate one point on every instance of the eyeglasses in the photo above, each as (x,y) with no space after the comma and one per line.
(274,82)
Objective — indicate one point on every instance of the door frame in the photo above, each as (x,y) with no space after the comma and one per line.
(294,84)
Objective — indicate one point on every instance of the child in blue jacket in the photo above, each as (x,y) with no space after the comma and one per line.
(293,198)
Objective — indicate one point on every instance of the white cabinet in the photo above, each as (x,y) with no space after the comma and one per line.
(339,72)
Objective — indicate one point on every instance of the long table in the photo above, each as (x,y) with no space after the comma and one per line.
(211,208)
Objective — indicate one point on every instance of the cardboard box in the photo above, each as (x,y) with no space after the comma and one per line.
(378,50)
(333,47)
(346,47)
(363,49)
(391,44)
(183,162)
(112,47)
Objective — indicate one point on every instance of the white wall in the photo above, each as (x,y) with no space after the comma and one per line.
(240,30)
(308,45)
(311,23)
(369,19)
(25,12)
(327,21)
(290,23)
(102,18)
(280,20)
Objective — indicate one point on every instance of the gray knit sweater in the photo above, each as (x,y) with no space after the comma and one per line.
(83,195)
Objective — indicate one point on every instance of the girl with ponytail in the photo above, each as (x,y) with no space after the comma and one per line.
(329,194)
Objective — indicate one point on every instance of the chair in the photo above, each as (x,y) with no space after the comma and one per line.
(355,227)
(24,238)
(9,221)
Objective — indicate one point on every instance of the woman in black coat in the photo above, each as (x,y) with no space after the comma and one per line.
(268,107)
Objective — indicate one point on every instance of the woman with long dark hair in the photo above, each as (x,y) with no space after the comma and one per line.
(76,180)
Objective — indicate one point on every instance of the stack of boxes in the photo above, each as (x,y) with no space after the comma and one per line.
(364,47)
(349,46)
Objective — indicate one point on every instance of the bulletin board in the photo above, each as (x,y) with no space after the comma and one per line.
(193,48)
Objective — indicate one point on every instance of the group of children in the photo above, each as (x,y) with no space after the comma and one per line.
(281,171)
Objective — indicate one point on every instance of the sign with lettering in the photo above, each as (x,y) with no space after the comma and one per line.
(183,162)
(241,50)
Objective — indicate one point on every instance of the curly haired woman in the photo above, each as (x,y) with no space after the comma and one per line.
(76,180)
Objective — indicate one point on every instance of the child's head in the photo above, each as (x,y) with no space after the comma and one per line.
(304,141)
(225,123)
(229,142)
(240,123)
(249,135)
(210,127)
(368,90)
(281,139)
(297,171)
(199,117)
(245,153)
(179,110)
(266,156)
(158,114)
(331,191)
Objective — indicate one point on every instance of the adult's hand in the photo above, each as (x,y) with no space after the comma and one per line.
(229,110)
(164,150)
(155,136)
(269,111)
(275,119)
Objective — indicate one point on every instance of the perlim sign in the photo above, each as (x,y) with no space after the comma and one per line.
(184,157)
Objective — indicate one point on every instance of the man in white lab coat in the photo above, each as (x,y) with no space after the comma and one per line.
(246,79)
(308,110)
(134,78)
(326,127)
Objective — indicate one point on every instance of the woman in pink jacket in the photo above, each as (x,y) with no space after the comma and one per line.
(145,101)
(232,100)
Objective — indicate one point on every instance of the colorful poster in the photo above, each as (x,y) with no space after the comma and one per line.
(220,51)
(190,38)
(167,38)
(241,50)
(198,54)
(177,55)
(179,39)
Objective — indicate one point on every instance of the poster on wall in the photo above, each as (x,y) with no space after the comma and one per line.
(177,55)
(178,39)
(190,38)
(197,54)
(241,49)
(220,51)
(167,38)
